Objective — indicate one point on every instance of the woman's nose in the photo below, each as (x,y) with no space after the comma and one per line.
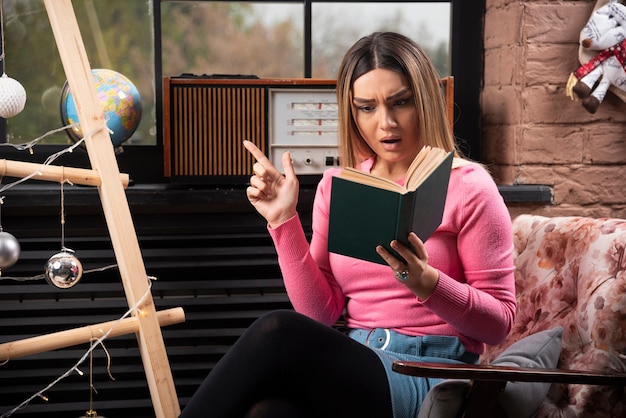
(387,119)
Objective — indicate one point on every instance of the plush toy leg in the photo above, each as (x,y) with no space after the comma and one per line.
(611,73)
(581,90)
(592,102)
(586,84)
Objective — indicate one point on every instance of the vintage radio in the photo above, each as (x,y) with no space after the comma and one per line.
(206,120)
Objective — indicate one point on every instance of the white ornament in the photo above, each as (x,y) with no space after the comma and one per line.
(12,97)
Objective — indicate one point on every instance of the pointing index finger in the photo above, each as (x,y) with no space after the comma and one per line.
(256,152)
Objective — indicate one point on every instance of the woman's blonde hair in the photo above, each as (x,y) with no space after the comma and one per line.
(395,52)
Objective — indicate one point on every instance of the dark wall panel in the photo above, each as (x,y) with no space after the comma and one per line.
(210,253)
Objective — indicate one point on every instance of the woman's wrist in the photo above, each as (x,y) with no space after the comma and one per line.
(426,285)
(278,221)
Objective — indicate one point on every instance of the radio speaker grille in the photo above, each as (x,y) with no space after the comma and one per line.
(207,125)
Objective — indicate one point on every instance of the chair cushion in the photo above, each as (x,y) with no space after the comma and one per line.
(540,351)
(519,399)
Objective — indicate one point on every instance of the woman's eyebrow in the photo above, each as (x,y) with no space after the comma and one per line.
(401,93)
(359,100)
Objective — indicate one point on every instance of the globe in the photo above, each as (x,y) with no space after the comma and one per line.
(121,104)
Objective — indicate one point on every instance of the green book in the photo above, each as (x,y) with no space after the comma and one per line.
(366,211)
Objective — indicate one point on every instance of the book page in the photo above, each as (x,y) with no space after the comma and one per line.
(362,177)
(424,163)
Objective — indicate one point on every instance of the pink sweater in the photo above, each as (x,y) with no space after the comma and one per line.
(472,249)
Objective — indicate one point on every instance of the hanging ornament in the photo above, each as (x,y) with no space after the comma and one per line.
(12,97)
(12,93)
(91,414)
(63,269)
(9,249)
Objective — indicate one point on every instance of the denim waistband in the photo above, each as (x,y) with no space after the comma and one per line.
(437,346)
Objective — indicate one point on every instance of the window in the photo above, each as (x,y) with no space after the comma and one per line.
(148,39)
(117,34)
(344,22)
(267,39)
(235,38)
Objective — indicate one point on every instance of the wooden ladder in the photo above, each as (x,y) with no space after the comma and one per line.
(111,183)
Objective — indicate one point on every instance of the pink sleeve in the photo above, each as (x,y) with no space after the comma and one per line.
(310,284)
(485,251)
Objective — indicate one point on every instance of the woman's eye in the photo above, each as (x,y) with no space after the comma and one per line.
(366,109)
(401,102)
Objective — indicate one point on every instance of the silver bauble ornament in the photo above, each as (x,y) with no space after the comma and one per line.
(9,250)
(12,97)
(63,269)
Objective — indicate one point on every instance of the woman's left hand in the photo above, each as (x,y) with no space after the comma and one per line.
(416,273)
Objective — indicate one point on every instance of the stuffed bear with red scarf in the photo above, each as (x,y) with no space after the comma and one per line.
(604,35)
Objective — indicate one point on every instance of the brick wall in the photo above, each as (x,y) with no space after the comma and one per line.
(534,133)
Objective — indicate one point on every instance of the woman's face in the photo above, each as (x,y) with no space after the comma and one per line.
(385,114)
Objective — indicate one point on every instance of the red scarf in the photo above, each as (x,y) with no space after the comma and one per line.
(618,51)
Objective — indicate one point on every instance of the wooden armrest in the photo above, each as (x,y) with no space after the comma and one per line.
(507,374)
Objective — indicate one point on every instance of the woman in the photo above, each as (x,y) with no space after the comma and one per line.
(453,295)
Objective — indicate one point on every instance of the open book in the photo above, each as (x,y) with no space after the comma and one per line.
(366,210)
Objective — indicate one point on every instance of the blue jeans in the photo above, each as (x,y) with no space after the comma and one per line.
(407,392)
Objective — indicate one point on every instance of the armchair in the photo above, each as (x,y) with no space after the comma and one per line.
(566,353)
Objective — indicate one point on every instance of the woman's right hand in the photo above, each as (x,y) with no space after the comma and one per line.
(273,195)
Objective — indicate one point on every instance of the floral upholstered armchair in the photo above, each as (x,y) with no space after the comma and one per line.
(571,291)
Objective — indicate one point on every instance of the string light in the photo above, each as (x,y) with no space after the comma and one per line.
(42,276)
(27,146)
(50,160)
(93,345)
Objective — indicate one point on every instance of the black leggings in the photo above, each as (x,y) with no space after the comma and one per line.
(288,365)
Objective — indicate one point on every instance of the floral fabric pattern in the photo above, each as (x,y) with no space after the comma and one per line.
(571,271)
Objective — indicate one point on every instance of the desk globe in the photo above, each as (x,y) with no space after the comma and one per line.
(121,104)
